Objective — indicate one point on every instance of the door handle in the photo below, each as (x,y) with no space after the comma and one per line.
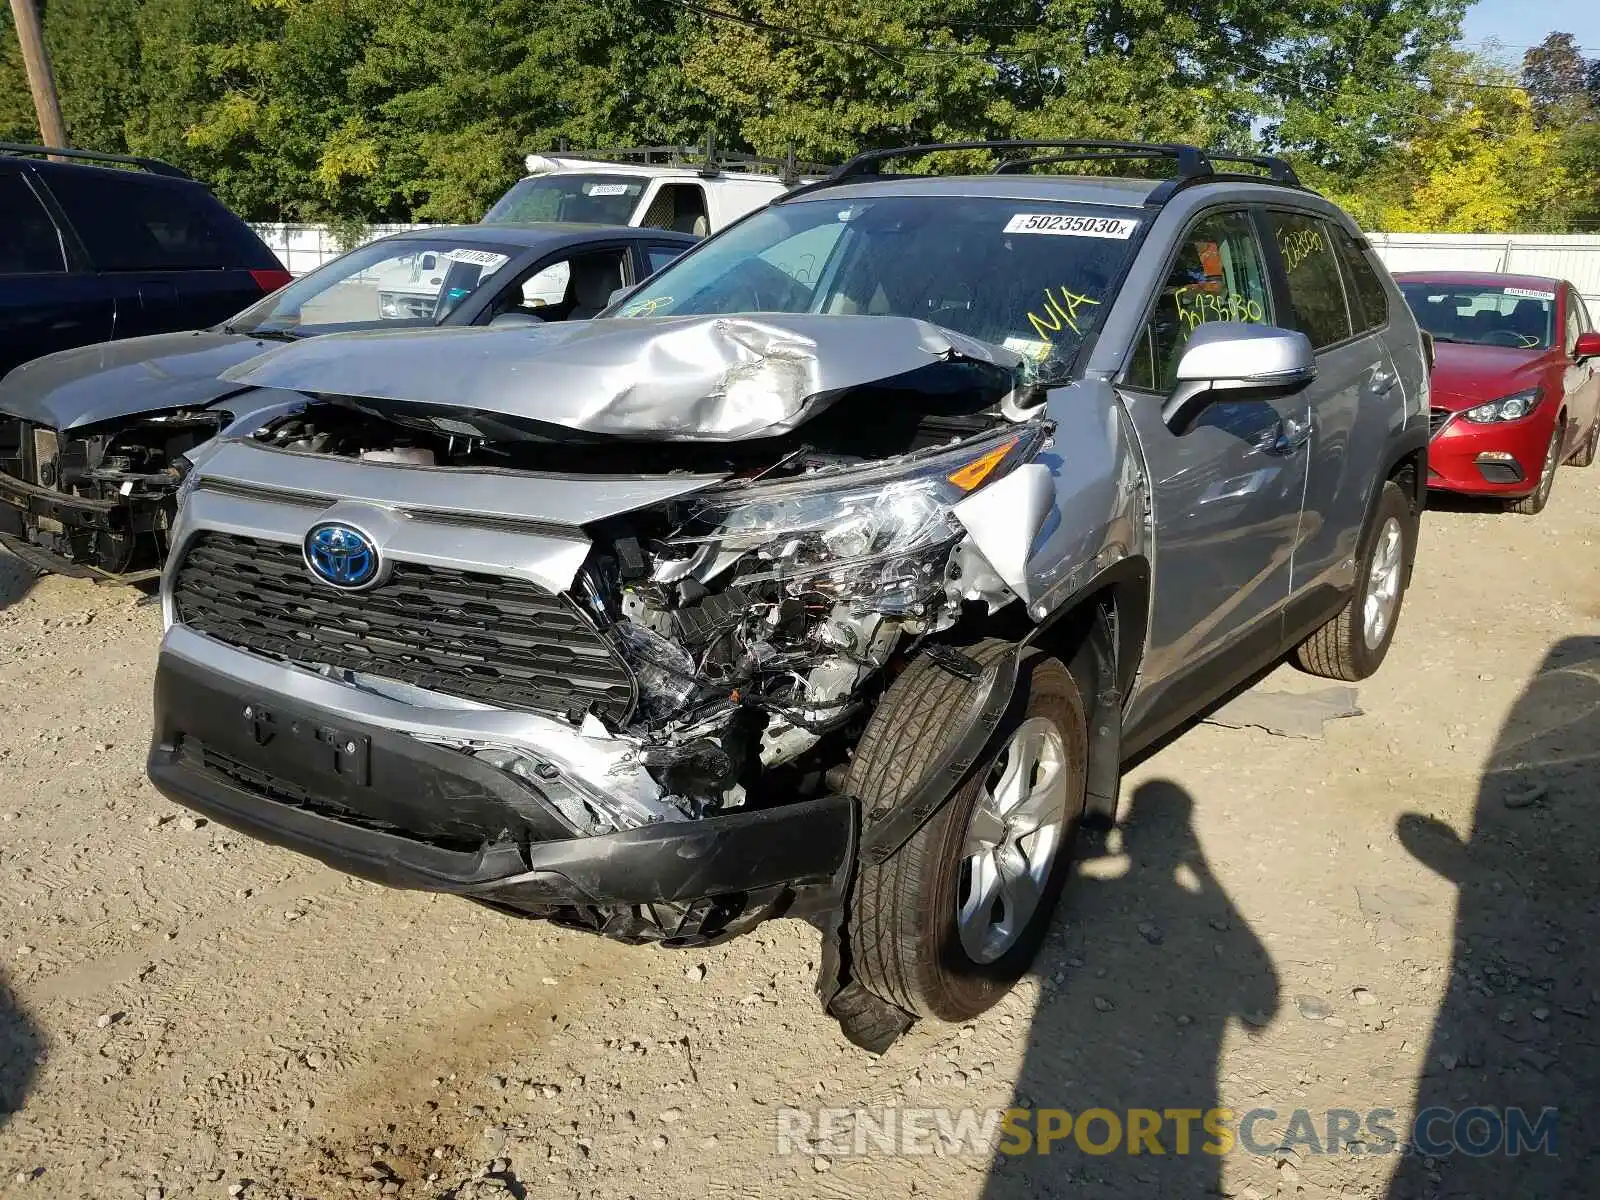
(1287,436)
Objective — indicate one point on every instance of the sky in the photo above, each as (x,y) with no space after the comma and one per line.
(1519,24)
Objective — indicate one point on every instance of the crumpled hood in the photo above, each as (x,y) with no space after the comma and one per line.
(89,384)
(716,378)
(1465,375)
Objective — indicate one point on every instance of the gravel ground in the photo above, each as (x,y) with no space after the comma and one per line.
(1399,915)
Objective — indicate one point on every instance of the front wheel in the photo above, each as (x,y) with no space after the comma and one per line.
(1533,503)
(1353,645)
(952,919)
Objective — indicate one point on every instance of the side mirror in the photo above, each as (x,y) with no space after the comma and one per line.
(1587,346)
(514,320)
(1239,360)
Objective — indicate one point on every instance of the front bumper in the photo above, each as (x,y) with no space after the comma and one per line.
(346,776)
(1503,459)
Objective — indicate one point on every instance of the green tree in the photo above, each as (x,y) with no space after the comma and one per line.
(1352,78)
(1564,88)
(95,56)
(1473,160)
(1555,75)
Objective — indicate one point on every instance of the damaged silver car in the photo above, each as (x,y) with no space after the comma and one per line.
(833,573)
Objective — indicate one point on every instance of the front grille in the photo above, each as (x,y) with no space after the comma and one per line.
(1437,417)
(497,640)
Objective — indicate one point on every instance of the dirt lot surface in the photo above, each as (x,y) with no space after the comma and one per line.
(1399,915)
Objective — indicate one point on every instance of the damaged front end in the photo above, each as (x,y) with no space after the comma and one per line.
(619,699)
(97,500)
(758,618)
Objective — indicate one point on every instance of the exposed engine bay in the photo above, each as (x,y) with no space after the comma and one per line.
(100,497)
(761,616)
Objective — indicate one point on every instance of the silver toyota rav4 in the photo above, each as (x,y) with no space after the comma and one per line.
(832,574)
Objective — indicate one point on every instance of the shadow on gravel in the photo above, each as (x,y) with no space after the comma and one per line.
(20,1045)
(1180,965)
(16,579)
(1519,1027)
(1457,502)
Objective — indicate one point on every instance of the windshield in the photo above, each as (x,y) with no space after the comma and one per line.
(403,282)
(1484,316)
(587,199)
(1033,277)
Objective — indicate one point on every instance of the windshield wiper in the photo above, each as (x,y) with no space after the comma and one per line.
(268,335)
(1439,337)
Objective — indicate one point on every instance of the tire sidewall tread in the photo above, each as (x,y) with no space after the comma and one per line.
(905,946)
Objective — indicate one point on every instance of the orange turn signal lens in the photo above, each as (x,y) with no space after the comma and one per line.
(969,477)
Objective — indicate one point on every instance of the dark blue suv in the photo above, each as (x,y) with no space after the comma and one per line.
(89,253)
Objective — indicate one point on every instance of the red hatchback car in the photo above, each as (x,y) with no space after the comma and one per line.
(1516,381)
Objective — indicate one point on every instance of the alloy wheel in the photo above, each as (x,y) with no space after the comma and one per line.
(1013,834)
(1383,583)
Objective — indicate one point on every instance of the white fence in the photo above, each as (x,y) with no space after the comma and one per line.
(1573,256)
(1558,255)
(302,248)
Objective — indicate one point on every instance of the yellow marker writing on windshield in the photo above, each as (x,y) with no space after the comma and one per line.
(1059,312)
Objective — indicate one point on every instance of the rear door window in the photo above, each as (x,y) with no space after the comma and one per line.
(1369,303)
(1219,275)
(1316,293)
(680,207)
(133,222)
(29,244)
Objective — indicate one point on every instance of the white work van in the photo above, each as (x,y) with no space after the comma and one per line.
(655,187)
(691,190)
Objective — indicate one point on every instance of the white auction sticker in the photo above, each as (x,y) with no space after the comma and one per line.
(1120,228)
(1529,294)
(607,189)
(481,258)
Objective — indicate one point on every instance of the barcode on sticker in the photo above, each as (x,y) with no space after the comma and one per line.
(1529,293)
(1101,227)
(607,189)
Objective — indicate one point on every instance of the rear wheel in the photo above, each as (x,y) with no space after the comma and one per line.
(1533,503)
(948,923)
(1591,446)
(1353,644)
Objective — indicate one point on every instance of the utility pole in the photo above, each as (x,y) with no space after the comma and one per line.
(41,80)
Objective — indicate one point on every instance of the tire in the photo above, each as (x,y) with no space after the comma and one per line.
(1341,649)
(1586,453)
(906,945)
(1533,503)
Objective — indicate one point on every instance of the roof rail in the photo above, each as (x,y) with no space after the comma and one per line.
(154,165)
(706,159)
(1194,165)
(1277,169)
(1191,160)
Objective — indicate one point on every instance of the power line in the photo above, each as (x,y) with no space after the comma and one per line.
(1506,46)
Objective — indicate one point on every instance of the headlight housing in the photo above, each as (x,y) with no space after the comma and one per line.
(1507,408)
(876,535)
